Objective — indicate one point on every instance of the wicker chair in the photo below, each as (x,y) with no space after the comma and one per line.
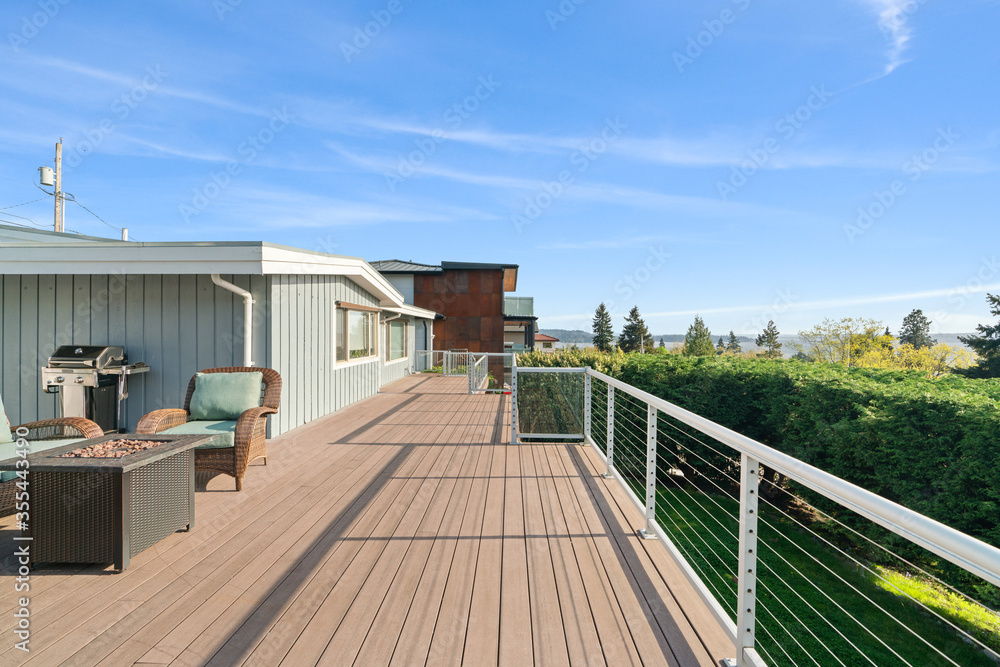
(38,432)
(251,427)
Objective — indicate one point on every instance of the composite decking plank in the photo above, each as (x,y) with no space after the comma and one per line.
(582,636)
(482,635)
(404,501)
(383,634)
(139,588)
(548,636)
(414,640)
(639,618)
(501,554)
(159,557)
(613,631)
(515,607)
(392,594)
(693,634)
(267,635)
(448,638)
(244,591)
(207,578)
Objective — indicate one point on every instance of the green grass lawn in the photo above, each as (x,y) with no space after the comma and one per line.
(811,603)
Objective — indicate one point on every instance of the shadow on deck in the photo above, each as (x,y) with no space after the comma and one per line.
(402,530)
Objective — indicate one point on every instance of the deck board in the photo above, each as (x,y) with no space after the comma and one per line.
(402,530)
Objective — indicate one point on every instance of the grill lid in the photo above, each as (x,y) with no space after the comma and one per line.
(87,356)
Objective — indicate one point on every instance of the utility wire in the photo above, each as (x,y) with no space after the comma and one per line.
(22,204)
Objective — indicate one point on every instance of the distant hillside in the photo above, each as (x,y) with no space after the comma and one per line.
(582,338)
(569,335)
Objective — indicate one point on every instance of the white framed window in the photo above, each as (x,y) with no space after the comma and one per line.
(355,331)
(396,340)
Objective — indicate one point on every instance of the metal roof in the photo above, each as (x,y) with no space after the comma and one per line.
(399,266)
(69,256)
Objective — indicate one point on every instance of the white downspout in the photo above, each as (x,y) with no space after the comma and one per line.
(247,315)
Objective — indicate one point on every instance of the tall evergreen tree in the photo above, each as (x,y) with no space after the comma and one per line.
(720,348)
(768,340)
(916,330)
(604,335)
(698,340)
(662,344)
(987,343)
(635,336)
(734,343)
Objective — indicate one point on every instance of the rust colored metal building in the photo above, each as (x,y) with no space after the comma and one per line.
(469,295)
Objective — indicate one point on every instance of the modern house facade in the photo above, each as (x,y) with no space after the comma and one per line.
(477,314)
(333,327)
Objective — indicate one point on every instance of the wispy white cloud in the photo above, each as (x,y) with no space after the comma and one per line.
(894,24)
(820,304)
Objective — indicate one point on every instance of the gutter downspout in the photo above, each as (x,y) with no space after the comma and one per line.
(247,315)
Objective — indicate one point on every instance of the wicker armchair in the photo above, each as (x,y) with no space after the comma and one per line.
(38,432)
(249,440)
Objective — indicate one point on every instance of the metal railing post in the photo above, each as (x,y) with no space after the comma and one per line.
(747,600)
(586,404)
(610,453)
(648,533)
(513,400)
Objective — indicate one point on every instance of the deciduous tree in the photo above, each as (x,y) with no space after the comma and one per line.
(837,341)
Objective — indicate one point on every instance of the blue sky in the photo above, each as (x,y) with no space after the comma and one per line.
(735,158)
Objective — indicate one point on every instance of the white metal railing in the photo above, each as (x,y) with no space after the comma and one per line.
(646,440)
(478,374)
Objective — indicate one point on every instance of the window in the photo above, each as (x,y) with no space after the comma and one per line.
(396,343)
(355,334)
(546,345)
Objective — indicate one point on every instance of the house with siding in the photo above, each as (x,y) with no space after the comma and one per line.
(477,316)
(332,326)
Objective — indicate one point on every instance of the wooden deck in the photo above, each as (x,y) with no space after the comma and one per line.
(402,530)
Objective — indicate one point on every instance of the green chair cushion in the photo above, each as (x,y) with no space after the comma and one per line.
(5,434)
(225,430)
(8,450)
(224,396)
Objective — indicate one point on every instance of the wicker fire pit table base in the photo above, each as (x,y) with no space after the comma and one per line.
(106,510)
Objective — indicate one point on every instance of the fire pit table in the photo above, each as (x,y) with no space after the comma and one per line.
(108,505)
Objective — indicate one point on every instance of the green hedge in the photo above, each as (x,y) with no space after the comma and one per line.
(932,445)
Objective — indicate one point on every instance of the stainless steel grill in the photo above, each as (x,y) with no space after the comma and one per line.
(91,381)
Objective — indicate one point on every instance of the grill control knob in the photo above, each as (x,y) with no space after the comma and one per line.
(78,380)
(60,379)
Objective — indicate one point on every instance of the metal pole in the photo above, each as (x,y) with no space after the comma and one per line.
(586,403)
(648,533)
(513,400)
(745,626)
(609,459)
(59,195)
